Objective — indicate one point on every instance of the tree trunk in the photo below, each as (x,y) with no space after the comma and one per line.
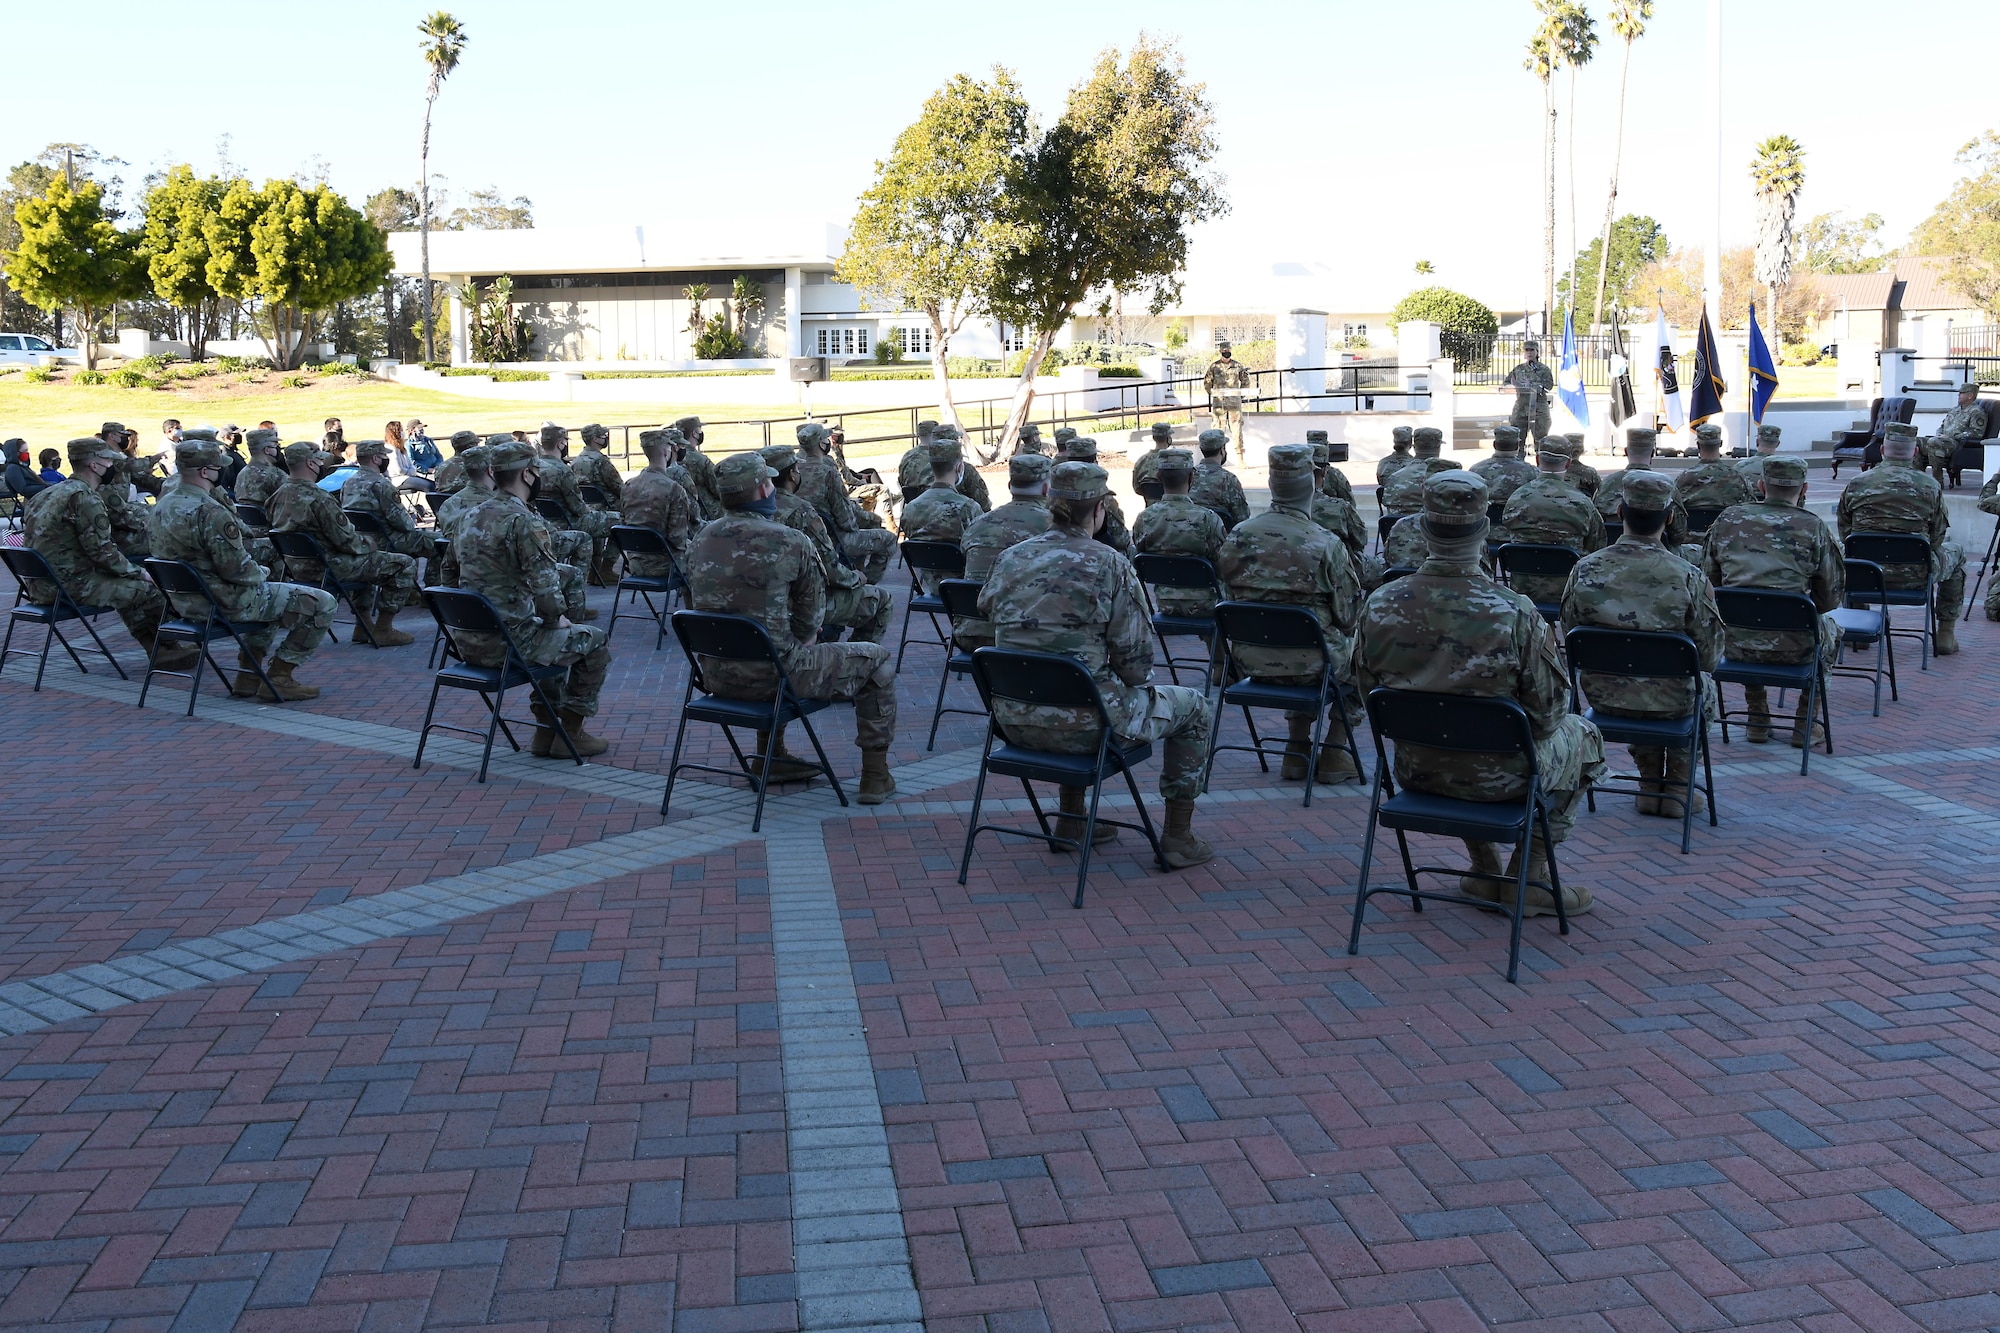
(424,224)
(1611,200)
(1549,206)
(1024,396)
(940,372)
(86,328)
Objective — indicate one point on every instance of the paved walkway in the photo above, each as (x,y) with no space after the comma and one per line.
(294,1036)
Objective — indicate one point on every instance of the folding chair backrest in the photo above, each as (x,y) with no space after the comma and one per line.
(552,510)
(1765,608)
(299,546)
(1452,722)
(732,638)
(1049,680)
(24,563)
(1865,581)
(1613,529)
(252,514)
(1175,571)
(463,610)
(1152,491)
(1394,572)
(935,557)
(1624,652)
(1889,548)
(636,539)
(1700,520)
(1538,561)
(960,597)
(1383,524)
(367,521)
(178,576)
(592,495)
(435,499)
(1496,511)
(1268,625)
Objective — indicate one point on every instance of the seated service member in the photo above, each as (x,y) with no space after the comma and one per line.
(1025,515)
(1898,497)
(301,506)
(1176,525)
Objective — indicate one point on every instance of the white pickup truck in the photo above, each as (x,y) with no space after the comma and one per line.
(19,348)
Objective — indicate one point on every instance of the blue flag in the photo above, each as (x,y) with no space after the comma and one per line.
(1706,390)
(1569,375)
(1763,370)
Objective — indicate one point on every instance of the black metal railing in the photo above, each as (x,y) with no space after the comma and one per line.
(1593,352)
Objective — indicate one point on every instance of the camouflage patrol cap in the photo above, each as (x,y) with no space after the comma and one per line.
(551,435)
(300,451)
(1647,490)
(1641,440)
(1028,472)
(1899,428)
(1555,446)
(1401,435)
(652,439)
(110,426)
(1289,460)
(1030,431)
(1531,346)
(595,433)
(926,427)
(499,438)
(82,450)
(461,440)
(261,438)
(371,449)
(1785,472)
(1454,502)
(1065,433)
(1076,480)
(200,433)
(1507,439)
(478,457)
(190,455)
(947,432)
(1768,431)
(811,434)
(1176,460)
(1708,433)
(1575,437)
(1163,431)
(1315,437)
(1321,454)
(688,426)
(780,457)
(1427,438)
(508,454)
(945,451)
(1213,441)
(739,475)
(1079,449)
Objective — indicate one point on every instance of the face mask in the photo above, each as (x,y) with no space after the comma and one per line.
(768,506)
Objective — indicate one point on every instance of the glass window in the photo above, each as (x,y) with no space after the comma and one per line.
(10,342)
(861,341)
(823,351)
(36,344)
(1361,330)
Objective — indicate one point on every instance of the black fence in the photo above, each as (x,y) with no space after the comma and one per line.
(1593,353)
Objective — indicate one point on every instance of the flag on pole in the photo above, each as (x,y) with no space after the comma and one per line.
(1666,379)
(1623,408)
(1763,371)
(1569,376)
(1706,390)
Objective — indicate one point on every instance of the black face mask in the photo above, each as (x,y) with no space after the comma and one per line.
(535,488)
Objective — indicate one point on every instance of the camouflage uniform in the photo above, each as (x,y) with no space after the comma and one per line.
(128,518)
(1176,525)
(1532,383)
(1282,557)
(864,543)
(255,483)
(941,513)
(913,469)
(1989,503)
(300,506)
(700,469)
(997,530)
(1612,492)
(1782,547)
(1752,468)
(1225,382)
(1406,547)
(1403,493)
(1716,485)
(1215,487)
(67,524)
(1448,629)
(1030,440)
(1114,533)
(1548,511)
(1579,473)
(593,468)
(504,555)
(1332,481)
(653,499)
(747,565)
(1898,497)
(1504,471)
(559,483)
(1964,424)
(1062,592)
(851,600)
(474,489)
(373,493)
(189,526)
(1399,454)
(1146,468)
(450,474)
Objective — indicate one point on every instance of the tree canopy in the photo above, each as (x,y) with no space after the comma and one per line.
(176,248)
(1466,327)
(1832,243)
(295,251)
(1636,241)
(1964,230)
(71,254)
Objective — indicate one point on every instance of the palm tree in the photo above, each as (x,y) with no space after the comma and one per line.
(1628,20)
(444,41)
(1545,53)
(1579,44)
(1779,172)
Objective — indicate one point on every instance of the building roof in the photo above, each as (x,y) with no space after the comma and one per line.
(1912,283)
(708,241)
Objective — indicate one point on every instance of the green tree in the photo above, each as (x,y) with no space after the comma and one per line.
(175,246)
(443,43)
(1636,241)
(1779,173)
(72,255)
(1964,230)
(1424,268)
(285,254)
(73,162)
(1628,20)
(489,210)
(1466,328)
(929,230)
(1830,243)
(1578,38)
(746,298)
(1105,198)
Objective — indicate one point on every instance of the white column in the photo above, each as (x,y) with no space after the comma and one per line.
(794,334)
(1302,343)
(461,325)
(1417,346)
(1444,398)
(1899,371)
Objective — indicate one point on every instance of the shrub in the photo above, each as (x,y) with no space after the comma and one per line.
(342,368)
(718,342)
(498,376)
(131,377)
(295,381)
(87,377)
(888,351)
(231,365)
(38,375)
(149,365)
(1115,372)
(1466,328)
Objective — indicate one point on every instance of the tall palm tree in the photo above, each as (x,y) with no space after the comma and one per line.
(1779,173)
(1544,58)
(1628,20)
(444,41)
(1579,44)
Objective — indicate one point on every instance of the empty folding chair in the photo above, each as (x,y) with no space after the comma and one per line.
(961,602)
(943,559)
(302,555)
(633,539)
(1270,626)
(461,611)
(1892,549)
(1864,624)
(25,563)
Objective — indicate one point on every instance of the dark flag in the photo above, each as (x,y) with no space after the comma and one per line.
(1705,393)
(1623,405)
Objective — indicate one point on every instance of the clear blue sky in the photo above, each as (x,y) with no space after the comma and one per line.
(1362,134)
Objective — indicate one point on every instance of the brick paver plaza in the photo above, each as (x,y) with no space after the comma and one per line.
(299,1038)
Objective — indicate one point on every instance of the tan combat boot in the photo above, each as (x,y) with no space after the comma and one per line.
(1486,859)
(1075,811)
(1576,898)
(1757,701)
(289,690)
(1651,762)
(785,766)
(1945,642)
(386,633)
(172,656)
(1676,773)
(1335,764)
(877,783)
(246,685)
(1799,726)
(1298,747)
(582,614)
(1179,845)
(586,744)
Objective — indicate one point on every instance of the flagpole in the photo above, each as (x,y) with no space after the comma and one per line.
(1712,262)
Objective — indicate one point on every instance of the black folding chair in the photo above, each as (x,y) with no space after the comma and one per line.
(1468,725)
(961,602)
(552,510)
(434,501)
(178,577)
(25,563)
(460,611)
(1902,548)
(1985,563)
(944,559)
(1701,520)
(1052,680)
(253,517)
(595,496)
(1613,530)
(1537,561)
(1266,625)
(1770,610)
(1646,656)
(1180,571)
(367,522)
(1864,623)
(1152,492)
(633,539)
(1382,526)
(301,552)
(1394,572)
(706,634)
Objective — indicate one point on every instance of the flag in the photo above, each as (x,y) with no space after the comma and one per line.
(1666,379)
(1569,376)
(1763,371)
(1623,408)
(1706,390)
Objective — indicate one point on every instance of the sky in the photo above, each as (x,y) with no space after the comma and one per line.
(1359,135)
